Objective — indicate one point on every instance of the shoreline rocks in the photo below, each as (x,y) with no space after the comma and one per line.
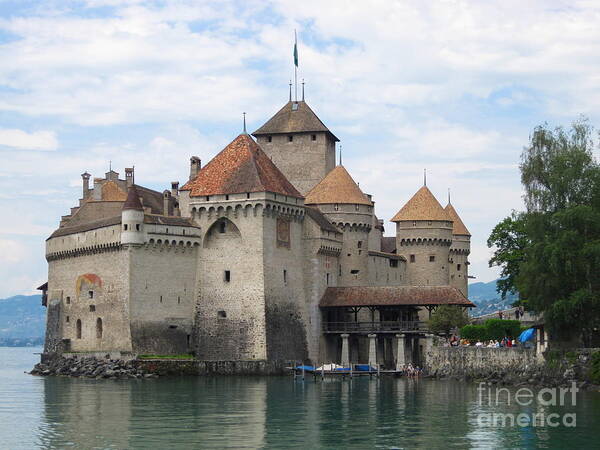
(91,367)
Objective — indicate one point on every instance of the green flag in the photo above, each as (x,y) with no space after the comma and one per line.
(295,50)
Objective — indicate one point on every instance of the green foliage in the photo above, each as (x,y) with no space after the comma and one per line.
(595,370)
(473,333)
(498,328)
(550,254)
(492,329)
(446,317)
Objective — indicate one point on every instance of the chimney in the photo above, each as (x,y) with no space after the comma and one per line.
(175,188)
(129,176)
(86,183)
(194,166)
(166,198)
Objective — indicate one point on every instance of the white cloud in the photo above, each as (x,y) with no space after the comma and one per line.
(11,251)
(19,139)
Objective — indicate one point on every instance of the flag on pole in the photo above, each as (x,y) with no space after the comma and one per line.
(295,49)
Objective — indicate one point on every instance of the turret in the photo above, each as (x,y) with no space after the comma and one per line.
(299,144)
(459,251)
(423,237)
(345,205)
(132,219)
(86,184)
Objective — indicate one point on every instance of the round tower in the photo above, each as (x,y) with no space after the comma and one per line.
(423,237)
(459,251)
(345,205)
(132,219)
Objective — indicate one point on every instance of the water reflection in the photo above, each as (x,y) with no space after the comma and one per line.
(280,412)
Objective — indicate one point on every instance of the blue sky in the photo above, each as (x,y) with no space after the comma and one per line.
(452,86)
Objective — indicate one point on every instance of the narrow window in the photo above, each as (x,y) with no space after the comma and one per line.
(167,231)
(327,279)
(393,263)
(137,227)
(412,258)
(357,207)
(227,276)
(284,276)
(269,138)
(99,328)
(67,319)
(160,300)
(68,300)
(91,294)
(78,328)
(414,223)
(226,196)
(92,308)
(336,207)
(178,300)
(458,267)
(431,258)
(222,314)
(290,138)
(207,198)
(188,338)
(125,227)
(247,194)
(184,232)
(313,137)
(222,227)
(359,243)
(340,270)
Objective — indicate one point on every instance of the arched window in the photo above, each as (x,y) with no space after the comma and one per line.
(78,328)
(99,328)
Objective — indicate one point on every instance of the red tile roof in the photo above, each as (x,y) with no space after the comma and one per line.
(458,227)
(240,167)
(422,206)
(393,296)
(337,187)
(133,199)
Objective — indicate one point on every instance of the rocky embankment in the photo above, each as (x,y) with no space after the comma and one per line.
(556,369)
(91,367)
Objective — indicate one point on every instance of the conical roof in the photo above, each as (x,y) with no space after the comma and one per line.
(337,187)
(133,199)
(422,206)
(458,227)
(240,167)
(294,117)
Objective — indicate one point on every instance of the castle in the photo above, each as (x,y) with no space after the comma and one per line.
(270,251)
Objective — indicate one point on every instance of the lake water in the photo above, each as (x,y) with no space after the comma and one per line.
(276,412)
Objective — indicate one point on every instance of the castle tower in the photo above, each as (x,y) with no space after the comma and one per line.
(423,237)
(132,218)
(250,271)
(299,144)
(345,205)
(459,251)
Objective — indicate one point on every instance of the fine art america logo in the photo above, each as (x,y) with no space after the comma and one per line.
(542,403)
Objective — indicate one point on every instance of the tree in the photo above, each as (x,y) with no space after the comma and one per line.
(446,317)
(550,253)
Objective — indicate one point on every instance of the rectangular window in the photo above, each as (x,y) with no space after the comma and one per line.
(125,227)
(313,137)
(412,258)
(359,244)
(290,138)
(414,223)
(357,207)
(327,279)
(247,194)
(222,314)
(68,300)
(458,267)
(137,227)
(92,308)
(284,276)
(67,319)
(222,227)
(160,299)
(227,276)
(336,207)
(393,263)
(431,258)
(90,294)
(269,138)
(207,198)
(226,196)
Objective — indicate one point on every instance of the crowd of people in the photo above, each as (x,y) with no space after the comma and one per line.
(411,371)
(507,341)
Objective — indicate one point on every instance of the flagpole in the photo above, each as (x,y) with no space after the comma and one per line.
(295,68)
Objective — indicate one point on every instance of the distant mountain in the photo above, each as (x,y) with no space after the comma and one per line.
(487,299)
(22,321)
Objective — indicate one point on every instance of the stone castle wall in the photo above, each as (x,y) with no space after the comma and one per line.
(303,161)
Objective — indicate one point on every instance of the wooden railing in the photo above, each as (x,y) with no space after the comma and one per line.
(366,327)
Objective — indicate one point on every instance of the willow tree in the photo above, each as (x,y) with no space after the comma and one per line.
(550,253)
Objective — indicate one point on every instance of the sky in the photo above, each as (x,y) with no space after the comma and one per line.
(454,87)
